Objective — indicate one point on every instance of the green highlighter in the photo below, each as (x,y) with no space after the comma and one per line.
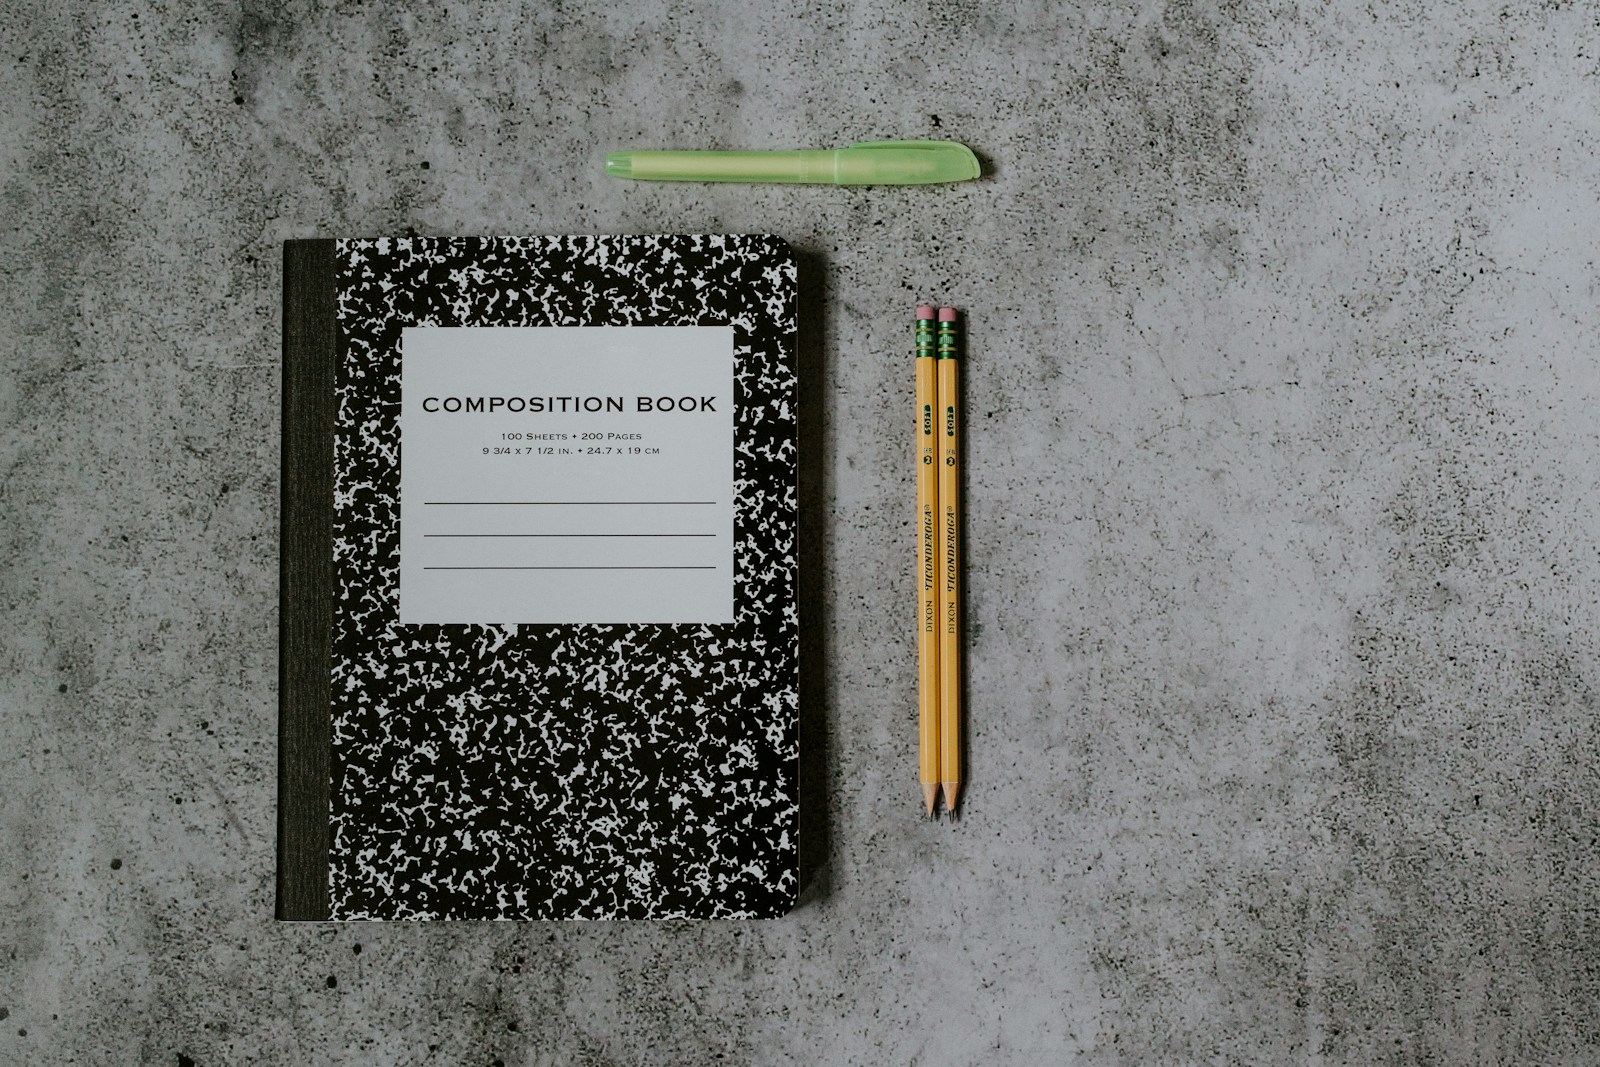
(869,163)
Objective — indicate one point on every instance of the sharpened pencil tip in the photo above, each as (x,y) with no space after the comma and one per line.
(952,796)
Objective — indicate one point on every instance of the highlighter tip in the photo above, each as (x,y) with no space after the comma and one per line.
(619,165)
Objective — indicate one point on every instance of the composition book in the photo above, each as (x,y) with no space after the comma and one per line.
(539,628)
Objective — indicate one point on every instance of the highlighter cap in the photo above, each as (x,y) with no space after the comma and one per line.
(905,163)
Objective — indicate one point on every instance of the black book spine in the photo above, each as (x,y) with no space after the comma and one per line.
(305,592)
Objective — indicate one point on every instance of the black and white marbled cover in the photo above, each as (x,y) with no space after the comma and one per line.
(577,771)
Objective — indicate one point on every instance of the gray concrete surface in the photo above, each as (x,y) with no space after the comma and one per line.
(1284,512)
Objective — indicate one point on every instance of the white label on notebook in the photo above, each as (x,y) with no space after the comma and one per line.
(566,474)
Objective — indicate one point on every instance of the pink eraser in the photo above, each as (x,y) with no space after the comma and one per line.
(947,314)
(925,311)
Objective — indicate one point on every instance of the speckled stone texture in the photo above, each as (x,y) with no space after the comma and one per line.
(1283,513)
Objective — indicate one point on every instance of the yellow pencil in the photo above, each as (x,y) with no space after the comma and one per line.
(927,566)
(949,387)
